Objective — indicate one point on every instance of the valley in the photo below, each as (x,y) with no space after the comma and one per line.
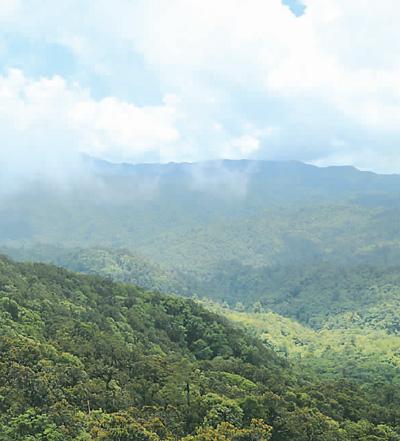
(268,307)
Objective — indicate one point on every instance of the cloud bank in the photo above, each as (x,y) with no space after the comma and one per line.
(194,80)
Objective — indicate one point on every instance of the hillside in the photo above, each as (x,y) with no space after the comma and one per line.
(324,295)
(84,358)
(204,224)
(119,265)
(354,348)
(320,295)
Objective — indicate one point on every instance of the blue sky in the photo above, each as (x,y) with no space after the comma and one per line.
(295,6)
(190,80)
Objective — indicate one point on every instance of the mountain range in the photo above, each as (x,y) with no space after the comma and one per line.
(268,307)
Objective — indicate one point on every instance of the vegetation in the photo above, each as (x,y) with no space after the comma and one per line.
(305,259)
(85,358)
(119,265)
(324,295)
(201,218)
(363,354)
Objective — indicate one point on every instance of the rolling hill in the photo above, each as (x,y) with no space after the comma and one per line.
(212,229)
(84,358)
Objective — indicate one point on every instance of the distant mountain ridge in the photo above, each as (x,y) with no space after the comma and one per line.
(209,222)
(86,357)
(332,178)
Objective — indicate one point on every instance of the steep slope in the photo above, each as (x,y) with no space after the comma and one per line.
(84,358)
(116,264)
(354,349)
(72,345)
(325,295)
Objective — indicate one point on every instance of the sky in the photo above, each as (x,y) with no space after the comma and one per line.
(193,80)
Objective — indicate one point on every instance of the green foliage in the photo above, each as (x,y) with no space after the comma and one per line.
(359,350)
(83,358)
(309,258)
(120,265)
(213,229)
(258,431)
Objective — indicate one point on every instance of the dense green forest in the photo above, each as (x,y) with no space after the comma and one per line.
(89,359)
(120,265)
(321,295)
(324,294)
(345,320)
(213,229)
(290,329)
(194,216)
(352,349)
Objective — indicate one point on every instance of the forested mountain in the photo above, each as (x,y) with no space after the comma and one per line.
(306,258)
(263,211)
(120,265)
(318,295)
(354,348)
(215,228)
(83,358)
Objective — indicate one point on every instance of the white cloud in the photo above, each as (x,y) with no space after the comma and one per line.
(201,41)
(197,41)
(47,123)
(122,131)
(8,9)
(35,135)
(244,146)
(333,73)
(49,113)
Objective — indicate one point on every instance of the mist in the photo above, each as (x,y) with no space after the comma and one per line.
(22,167)
(67,170)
